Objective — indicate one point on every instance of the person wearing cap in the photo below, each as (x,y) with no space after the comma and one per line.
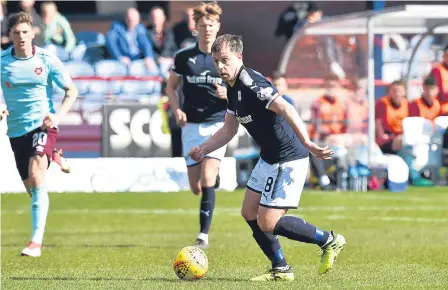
(427,106)
(440,73)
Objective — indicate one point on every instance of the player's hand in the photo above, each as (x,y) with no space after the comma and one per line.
(197,154)
(125,60)
(50,121)
(3,113)
(221,92)
(319,152)
(181,117)
(150,63)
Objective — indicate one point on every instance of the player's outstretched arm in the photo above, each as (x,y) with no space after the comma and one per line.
(282,107)
(221,138)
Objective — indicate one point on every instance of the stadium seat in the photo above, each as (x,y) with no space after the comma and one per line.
(418,142)
(138,68)
(78,52)
(59,51)
(81,69)
(90,37)
(111,68)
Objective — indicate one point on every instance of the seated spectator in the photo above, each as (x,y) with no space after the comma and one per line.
(357,107)
(128,40)
(440,73)
(57,29)
(162,38)
(328,115)
(328,111)
(279,81)
(427,106)
(390,111)
(185,31)
(28,7)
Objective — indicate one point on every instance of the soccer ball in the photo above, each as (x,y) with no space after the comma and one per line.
(191,264)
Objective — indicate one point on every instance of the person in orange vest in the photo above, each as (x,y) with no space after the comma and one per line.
(328,111)
(440,73)
(390,111)
(328,116)
(427,106)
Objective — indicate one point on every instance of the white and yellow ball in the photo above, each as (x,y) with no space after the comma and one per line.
(190,264)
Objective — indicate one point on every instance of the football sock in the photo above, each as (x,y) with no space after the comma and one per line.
(269,244)
(297,229)
(39,211)
(207,206)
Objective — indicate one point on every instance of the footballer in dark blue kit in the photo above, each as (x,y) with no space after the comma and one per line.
(277,181)
(203,110)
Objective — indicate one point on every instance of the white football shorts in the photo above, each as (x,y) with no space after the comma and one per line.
(280,184)
(194,134)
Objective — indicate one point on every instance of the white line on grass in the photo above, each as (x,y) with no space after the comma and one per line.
(229,211)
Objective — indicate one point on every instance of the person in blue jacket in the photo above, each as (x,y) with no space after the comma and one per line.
(128,40)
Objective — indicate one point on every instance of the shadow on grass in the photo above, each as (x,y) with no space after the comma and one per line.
(156,279)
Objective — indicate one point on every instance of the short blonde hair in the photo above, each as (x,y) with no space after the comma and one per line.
(209,9)
(18,18)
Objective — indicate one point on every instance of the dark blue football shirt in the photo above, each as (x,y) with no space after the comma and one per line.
(199,76)
(249,100)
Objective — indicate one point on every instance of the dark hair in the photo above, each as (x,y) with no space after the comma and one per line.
(430,81)
(18,18)
(277,75)
(233,42)
(397,83)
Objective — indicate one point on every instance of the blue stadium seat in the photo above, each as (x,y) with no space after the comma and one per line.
(59,51)
(81,69)
(90,37)
(112,68)
(138,68)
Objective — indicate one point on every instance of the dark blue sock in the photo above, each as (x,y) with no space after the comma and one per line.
(297,229)
(269,244)
(207,207)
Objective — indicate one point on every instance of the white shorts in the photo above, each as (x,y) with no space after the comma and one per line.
(194,134)
(280,184)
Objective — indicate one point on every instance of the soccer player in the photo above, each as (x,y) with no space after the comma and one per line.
(203,110)
(27,75)
(278,178)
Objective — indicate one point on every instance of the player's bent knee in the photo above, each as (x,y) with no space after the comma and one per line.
(249,214)
(266,225)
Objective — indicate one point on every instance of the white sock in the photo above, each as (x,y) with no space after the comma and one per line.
(324,180)
(203,237)
(39,211)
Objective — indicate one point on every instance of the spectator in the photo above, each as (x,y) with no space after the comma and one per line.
(162,39)
(440,73)
(128,40)
(390,111)
(185,31)
(279,81)
(28,7)
(328,116)
(57,29)
(427,106)
(4,25)
(356,118)
(328,111)
(357,107)
(295,16)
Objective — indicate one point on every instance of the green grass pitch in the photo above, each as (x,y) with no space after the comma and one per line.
(129,240)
